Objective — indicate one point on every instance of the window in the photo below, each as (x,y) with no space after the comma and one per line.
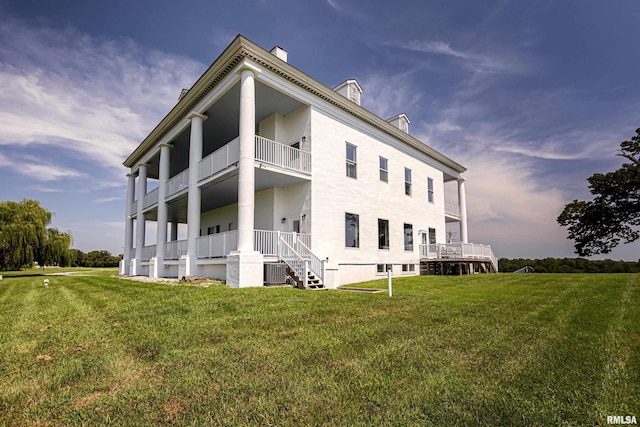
(408,268)
(408,237)
(384,171)
(351,230)
(430,190)
(383,234)
(432,236)
(351,161)
(213,230)
(407,181)
(383,268)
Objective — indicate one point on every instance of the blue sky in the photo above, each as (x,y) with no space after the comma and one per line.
(532,97)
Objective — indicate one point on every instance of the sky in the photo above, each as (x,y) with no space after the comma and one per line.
(531,97)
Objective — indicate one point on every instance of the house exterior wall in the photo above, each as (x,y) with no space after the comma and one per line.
(334,194)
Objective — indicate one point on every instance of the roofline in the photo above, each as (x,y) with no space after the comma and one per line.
(241,48)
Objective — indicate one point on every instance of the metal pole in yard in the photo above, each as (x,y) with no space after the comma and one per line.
(389,281)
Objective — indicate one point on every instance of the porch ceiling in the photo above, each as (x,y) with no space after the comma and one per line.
(223,123)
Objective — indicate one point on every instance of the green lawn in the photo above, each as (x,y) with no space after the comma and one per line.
(477,350)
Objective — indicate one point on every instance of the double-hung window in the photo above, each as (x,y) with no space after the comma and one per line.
(383,233)
(384,169)
(408,237)
(407,181)
(432,236)
(351,161)
(351,230)
(430,190)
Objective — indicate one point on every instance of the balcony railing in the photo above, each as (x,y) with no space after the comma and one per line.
(267,151)
(282,155)
(452,209)
(178,182)
(150,198)
(219,160)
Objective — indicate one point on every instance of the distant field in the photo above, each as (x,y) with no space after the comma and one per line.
(501,349)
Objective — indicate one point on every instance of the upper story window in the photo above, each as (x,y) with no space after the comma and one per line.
(213,230)
(384,169)
(351,161)
(430,190)
(407,181)
(351,230)
(432,236)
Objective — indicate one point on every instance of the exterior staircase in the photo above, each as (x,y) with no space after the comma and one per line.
(303,267)
(313,282)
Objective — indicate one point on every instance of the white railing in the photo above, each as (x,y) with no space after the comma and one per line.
(217,245)
(452,209)
(316,265)
(220,159)
(150,198)
(294,260)
(265,242)
(458,250)
(282,155)
(148,252)
(175,249)
(178,182)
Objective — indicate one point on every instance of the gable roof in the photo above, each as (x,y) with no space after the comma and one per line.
(241,48)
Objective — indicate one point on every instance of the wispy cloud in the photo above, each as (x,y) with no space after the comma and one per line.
(38,171)
(92,98)
(480,62)
(108,199)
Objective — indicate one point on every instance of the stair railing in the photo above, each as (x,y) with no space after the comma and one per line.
(316,265)
(293,259)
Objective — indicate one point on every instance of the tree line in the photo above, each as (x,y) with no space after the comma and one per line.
(26,238)
(569,265)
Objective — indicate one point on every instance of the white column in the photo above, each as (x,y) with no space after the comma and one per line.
(462,200)
(194,201)
(163,177)
(140,224)
(246,172)
(128,223)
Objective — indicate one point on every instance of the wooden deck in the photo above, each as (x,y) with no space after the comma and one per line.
(457,259)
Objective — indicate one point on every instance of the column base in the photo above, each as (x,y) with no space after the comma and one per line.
(187,266)
(133,267)
(156,267)
(245,269)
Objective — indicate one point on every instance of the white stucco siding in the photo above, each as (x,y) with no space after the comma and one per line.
(333,194)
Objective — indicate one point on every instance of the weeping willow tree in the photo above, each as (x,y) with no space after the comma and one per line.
(25,238)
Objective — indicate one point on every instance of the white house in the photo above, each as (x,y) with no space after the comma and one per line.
(272,173)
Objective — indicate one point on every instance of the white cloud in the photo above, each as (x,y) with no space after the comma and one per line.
(480,62)
(38,171)
(91,98)
(387,96)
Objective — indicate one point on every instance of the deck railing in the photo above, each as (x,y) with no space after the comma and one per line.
(220,159)
(175,249)
(217,245)
(148,252)
(282,155)
(458,250)
(265,241)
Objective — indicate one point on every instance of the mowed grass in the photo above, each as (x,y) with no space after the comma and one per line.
(501,349)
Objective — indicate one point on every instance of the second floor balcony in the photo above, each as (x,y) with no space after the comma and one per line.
(272,155)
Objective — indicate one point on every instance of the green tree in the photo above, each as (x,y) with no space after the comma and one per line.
(25,238)
(613,216)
